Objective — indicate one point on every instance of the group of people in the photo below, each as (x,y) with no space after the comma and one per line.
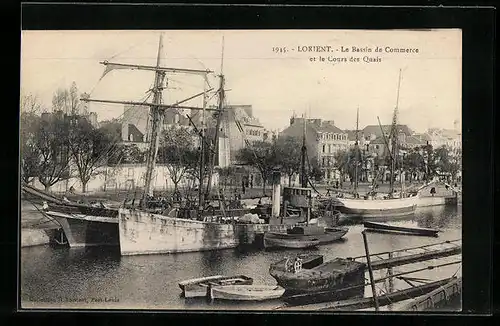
(246,182)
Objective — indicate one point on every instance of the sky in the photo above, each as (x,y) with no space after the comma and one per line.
(276,84)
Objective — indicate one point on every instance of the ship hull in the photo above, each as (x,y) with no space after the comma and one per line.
(146,233)
(83,230)
(289,241)
(377,208)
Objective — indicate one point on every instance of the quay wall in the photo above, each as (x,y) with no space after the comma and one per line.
(33,237)
(436,201)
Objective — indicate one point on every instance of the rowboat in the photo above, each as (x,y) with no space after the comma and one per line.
(289,241)
(402,229)
(324,235)
(247,292)
(308,273)
(198,287)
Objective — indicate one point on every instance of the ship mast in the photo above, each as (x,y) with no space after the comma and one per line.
(219,118)
(395,138)
(157,115)
(303,158)
(157,108)
(356,152)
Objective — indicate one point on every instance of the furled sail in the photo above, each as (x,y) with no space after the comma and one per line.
(112,66)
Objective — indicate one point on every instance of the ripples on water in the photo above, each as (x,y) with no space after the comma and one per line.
(99,278)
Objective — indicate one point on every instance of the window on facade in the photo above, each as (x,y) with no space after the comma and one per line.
(323,161)
(376,146)
(324,147)
(329,148)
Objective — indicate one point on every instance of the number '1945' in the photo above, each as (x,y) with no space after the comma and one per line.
(280,49)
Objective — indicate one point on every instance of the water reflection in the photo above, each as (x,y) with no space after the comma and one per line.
(60,275)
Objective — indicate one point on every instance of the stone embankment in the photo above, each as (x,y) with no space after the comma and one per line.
(35,228)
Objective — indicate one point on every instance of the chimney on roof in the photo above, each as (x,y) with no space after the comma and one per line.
(330,122)
(316,122)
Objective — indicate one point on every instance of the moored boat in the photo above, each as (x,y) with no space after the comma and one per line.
(306,274)
(324,235)
(85,230)
(84,225)
(289,241)
(247,292)
(402,229)
(393,204)
(199,287)
(377,208)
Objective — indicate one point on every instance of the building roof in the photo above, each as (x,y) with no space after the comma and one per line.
(444,132)
(375,129)
(244,114)
(137,135)
(423,137)
(450,133)
(328,128)
(351,134)
(412,140)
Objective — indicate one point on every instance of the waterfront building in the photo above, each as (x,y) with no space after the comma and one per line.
(324,140)
(372,132)
(452,138)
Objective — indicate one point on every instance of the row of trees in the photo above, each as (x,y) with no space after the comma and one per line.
(63,144)
(57,146)
(284,154)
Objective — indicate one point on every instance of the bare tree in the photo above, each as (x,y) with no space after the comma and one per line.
(60,101)
(289,154)
(89,148)
(29,103)
(30,108)
(177,152)
(74,99)
(263,156)
(51,143)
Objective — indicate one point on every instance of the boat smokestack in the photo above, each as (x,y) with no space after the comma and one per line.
(276,199)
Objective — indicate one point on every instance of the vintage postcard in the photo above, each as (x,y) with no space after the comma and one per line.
(286,170)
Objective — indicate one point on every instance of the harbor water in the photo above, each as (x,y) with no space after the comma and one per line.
(96,278)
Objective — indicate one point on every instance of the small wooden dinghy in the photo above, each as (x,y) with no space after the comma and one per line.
(401,229)
(289,241)
(198,287)
(324,235)
(246,292)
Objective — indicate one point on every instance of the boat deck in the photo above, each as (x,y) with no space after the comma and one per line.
(411,255)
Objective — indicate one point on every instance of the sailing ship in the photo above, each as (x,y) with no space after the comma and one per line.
(88,225)
(391,205)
